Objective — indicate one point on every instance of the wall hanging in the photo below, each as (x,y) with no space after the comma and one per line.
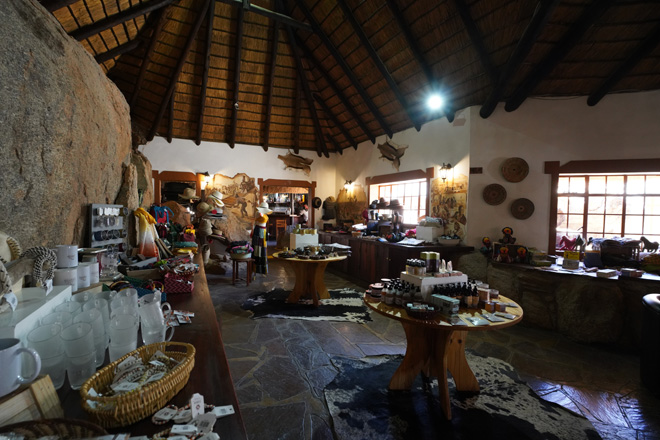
(515,169)
(494,194)
(522,208)
(392,152)
(296,162)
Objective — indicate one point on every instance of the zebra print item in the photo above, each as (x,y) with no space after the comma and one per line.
(45,261)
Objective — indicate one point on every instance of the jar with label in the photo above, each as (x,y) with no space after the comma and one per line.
(398,295)
(388,295)
(406,297)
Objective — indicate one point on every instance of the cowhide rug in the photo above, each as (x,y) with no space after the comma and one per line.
(343,305)
(362,408)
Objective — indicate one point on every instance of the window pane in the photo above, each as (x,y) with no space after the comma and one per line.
(562,204)
(597,184)
(652,184)
(652,205)
(635,185)
(613,225)
(615,184)
(633,224)
(576,205)
(614,205)
(635,205)
(562,187)
(577,185)
(574,224)
(562,223)
(652,225)
(412,189)
(595,223)
(597,205)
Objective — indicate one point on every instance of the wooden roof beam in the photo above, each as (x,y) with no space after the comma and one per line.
(334,143)
(382,68)
(237,78)
(162,18)
(334,119)
(284,19)
(170,122)
(541,15)
(296,125)
(557,53)
(54,5)
(419,57)
(113,20)
(271,83)
(351,109)
(320,147)
(205,75)
(179,66)
(633,59)
(347,69)
(477,40)
(119,50)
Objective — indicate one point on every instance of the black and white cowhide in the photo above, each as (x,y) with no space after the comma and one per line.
(343,305)
(362,408)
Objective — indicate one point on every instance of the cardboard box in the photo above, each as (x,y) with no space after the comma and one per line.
(302,240)
(429,233)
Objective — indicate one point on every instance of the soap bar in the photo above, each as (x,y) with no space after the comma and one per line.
(606,273)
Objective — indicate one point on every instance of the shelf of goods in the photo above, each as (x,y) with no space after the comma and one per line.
(107,225)
(427,282)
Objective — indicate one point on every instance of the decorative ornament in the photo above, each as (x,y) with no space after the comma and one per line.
(45,261)
(296,162)
(515,169)
(392,152)
(522,209)
(494,194)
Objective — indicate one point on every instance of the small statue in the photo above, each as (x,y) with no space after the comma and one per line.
(567,244)
(503,256)
(522,255)
(508,236)
(648,245)
(487,248)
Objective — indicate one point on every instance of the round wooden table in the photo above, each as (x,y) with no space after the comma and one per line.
(309,278)
(435,346)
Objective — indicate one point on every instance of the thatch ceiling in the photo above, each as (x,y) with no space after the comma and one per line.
(325,75)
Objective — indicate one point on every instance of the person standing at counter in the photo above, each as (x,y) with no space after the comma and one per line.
(259,243)
(304,215)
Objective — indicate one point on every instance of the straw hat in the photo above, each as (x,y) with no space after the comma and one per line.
(188,194)
(264,209)
(202,209)
(215,198)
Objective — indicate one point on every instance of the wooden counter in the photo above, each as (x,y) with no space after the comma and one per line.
(210,376)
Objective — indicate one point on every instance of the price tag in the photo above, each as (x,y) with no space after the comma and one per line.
(183,416)
(183,430)
(49,286)
(221,411)
(155,377)
(204,423)
(11,299)
(124,386)
(197,405)
(165,414)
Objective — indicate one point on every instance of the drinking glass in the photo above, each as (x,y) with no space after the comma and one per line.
(109,263)
(63,318)
(72,307)
(46,340)
(95,319)
(79,348)
(102,306)
(123,331)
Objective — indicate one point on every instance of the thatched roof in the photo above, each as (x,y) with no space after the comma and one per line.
(325,75)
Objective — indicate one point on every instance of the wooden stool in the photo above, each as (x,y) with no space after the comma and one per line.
(235,268)
(280,224)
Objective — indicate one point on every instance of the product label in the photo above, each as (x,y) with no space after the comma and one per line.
(221,411)
(197,405)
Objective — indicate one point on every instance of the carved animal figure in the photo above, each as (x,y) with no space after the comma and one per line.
(296,162)
(567,244)
(648,245)
(392,152)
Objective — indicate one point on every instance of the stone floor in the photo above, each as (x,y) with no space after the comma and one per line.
(280,366)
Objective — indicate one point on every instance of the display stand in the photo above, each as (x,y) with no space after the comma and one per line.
(107,225)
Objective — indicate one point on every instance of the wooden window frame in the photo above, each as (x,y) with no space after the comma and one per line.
(175,176)
(554,169)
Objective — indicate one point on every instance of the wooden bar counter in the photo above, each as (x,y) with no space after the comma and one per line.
(210,376)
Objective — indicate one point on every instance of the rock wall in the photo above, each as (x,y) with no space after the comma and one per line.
(65,132)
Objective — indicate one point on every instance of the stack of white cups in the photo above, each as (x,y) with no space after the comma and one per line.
(66,273)
(124,323)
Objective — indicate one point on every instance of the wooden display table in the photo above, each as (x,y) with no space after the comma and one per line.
(210,376)
(309,278)
(433,347)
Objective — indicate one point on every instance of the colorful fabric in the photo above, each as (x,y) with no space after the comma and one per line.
(260,253)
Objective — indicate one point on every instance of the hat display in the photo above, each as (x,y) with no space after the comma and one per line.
(264,209)
(189,194)
(382,203)
(316,202)
(374,205)
(202,209)
(215,198)
(395,204)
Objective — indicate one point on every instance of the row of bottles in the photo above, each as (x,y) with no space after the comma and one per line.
(399,293)
(466,293)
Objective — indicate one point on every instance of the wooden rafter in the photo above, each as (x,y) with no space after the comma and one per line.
(170,122)
(320,146)
(419,57)
(541,15)
(380,65)
(345,67)
(113,20)
(271,83)
(162,18)
(335,121)
(119,50)
(237,77)
(477,40)
(338,93)
(277,16)
(205,75)
(177,70)
(54,5)
(557,53)
(296,125)
(635,57)
(334,143)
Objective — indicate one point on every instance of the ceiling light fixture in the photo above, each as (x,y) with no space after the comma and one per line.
(348,184)
(435,102)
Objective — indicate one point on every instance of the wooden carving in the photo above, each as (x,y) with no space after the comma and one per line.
(392,152)
(296,162)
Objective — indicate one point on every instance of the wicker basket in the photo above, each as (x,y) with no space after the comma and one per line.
(61,428)
(126,409)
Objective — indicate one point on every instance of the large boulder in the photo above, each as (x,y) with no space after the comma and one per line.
(65,129)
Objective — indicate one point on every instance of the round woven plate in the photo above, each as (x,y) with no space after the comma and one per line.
(522,208)
(494,194)
(515,169)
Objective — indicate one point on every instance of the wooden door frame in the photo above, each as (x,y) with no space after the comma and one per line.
(311,186)
(175,176)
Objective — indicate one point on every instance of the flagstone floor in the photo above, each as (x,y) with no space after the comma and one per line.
(280,366)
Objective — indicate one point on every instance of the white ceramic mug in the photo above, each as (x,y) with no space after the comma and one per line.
(11,361)
(66,277)
(67,255)
(83,276)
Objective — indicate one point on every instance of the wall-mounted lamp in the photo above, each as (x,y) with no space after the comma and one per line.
(444,170)
(348,185)
(206,179)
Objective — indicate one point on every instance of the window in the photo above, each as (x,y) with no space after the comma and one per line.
(410,193)
(597,205)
